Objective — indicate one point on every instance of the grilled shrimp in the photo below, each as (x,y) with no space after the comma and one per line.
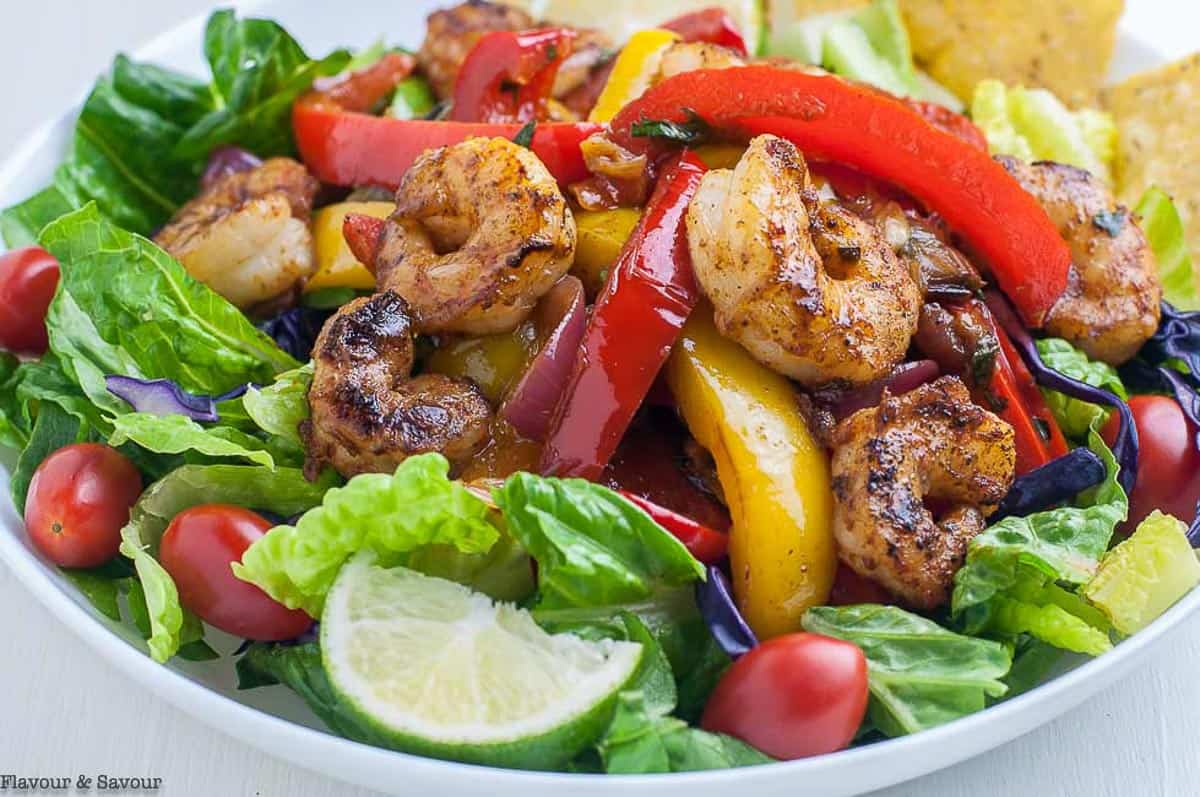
(451,33)
(683,57)
(931,442)
(807,287)
(480,233)
(368,413)
(1111,305)
(247,235)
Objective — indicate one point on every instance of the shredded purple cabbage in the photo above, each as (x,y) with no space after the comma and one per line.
(725,622)
(1052,483)
(162,397)
(1125,447)
(296,330)
(1177,337)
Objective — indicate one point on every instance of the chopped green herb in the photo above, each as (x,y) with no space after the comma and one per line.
(1110,222)
(524,136)
(693,131)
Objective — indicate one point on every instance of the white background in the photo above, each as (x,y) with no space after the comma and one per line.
(62,710)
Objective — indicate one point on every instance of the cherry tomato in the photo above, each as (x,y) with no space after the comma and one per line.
(1168,462)
(28,278)
(78,501)
(849,589)
(793,696)
(197,550)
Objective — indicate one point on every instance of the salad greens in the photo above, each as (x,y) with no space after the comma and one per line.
(1163,226)
(1075,416)
(593,547)
(1009,583)
(1033,125)
(144,134)
(920,674)
(1145,575)
(389,514)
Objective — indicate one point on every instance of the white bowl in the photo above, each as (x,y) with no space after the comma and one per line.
(274,720)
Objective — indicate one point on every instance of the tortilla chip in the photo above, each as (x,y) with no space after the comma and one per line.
(1159,140)
(1061,45)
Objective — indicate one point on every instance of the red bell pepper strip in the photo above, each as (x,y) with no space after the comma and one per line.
(833,119)
(343,145)
(949,121)
(1021,404)
(508,75)
(649,295)
(713,25)
(702,542)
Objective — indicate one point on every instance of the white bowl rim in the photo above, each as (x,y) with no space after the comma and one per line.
(1005,720)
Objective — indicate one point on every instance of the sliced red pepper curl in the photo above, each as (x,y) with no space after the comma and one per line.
(1036,434)
(702,542)
(350,149)
(950,122)
(649,295)
(508,75)
(364,236)
(832,119)
(712,25)
(344,145)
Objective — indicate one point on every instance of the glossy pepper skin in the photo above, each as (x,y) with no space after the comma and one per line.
(774,475)
(343,144)
(712,25)
(705,544)
(648,297)
(832,119)
(508,75)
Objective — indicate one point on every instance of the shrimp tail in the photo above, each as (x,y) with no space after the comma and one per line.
(364,236)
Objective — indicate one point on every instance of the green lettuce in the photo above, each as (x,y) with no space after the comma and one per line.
(593,548)
(282,491)
(1145,575)
(870,45)
(1011,581)
(920,675)
(126,307)
(176,434)
(53,429)
(1161,222)
(280,407)
(1032,124)
(1075,417)
(144,132)
(391,515)
(14,426)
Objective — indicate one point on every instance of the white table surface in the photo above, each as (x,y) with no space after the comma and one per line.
(62,710)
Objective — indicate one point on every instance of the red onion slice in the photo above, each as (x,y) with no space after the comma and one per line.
(903,378)
(563,313)
(224,161)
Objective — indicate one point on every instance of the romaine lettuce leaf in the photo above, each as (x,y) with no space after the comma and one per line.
(126,307)
(920,674)
(1032,124)
(177,434)
(1076,417)
(388,514)
(1145,575)
(164,612)
(593,548)
(1161,222)
(14,426)
(1009,584)
(53,429)
(279,408)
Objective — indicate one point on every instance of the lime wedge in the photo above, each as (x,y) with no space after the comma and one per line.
(436,669)
(621,18)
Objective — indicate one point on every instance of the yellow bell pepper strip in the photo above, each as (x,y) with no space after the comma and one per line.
(600,235)
(337,267)
(774,475)
(494,362)
(634,68)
